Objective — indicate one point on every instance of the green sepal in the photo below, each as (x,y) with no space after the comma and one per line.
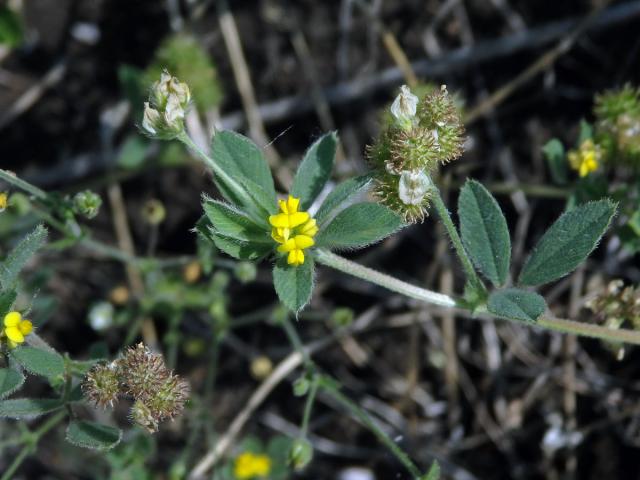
(359,225)
(484,232)
(294,284)
(567,242)
(315,169)
(516,304)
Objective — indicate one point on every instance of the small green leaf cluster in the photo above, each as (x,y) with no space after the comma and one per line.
(561,249)
(239,225)
(410,149)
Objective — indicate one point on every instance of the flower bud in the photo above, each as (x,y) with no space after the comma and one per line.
(164,113)
(413,187)
(245,272)
(404,107)
(300,454)
(87,203)
(154,212)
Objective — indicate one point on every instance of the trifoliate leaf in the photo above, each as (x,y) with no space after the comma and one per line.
(229,222)
(39,362)
(294,285)
(567,242)
(6,302)
(315,169)
(516,304)
(484,232)
(340,195)
(92,435)
(359,225)
(10,381)
(554,153)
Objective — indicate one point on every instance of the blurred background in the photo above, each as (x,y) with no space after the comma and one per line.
(489,400)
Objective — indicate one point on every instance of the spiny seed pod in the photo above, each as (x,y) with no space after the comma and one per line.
(142,371)
(142,415)
(168,401)
(412,147)
(87,203)
(618,124)
(102,385)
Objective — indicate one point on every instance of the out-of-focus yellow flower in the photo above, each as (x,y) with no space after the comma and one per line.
(250,465)
(4,200)
(294,230)
(585,159)
(15,328)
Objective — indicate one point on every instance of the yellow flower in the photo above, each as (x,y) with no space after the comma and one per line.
(4,200)
(586,159)
(294,230)
(251,465)
(16,328)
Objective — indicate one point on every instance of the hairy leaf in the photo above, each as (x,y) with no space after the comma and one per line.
(433,473)
(359,225)
(6,302)
(340,195)
(28,407)
(39,362)
(315,169)
(229,222)
(20,255)
(294,285)
(516,304)
(567,242)
(10,381)
(92,435)
(484,232)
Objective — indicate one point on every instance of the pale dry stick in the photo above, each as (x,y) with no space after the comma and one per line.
(242,76)
(449,338)
(125,243)
(282,370)
(33,94)
(542,63)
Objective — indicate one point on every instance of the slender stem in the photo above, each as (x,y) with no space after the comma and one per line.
(364,417)
(441,208)
(311,397)
(32,440)
(339,263)
(26,186)
(295,340)
(557,324)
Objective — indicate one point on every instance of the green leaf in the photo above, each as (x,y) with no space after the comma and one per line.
(484,232)
(229,222)
(340,195)
(516,304)
(6,302)
(586,132)
(567,242)
(39,362)
(242,160)
(241,250)
(315,169)
(11,31)
(92,435)
(20,255)
(359,225)
(10,381)
(433,473)
(554,152)
(294,285)
(28,407)
(133,152)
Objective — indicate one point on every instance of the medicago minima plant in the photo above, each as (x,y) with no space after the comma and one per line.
(296,232)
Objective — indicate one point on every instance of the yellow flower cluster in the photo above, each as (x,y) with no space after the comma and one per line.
(15,328)
(4,200)
(251,465)
(586,159)
(293,230)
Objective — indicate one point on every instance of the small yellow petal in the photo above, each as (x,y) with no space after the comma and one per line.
(296,257)
(287,246)
(292,204)
(310,228)
(298,218)
(303,241)
(12,319)
(25,327)
(283,206)
(14,334)
(4,200)
(280,220)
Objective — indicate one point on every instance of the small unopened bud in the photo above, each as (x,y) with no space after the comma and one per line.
(101,385)
(301,386)
(300,454)
(245,272)
(342,317)
(164,113)
(413,187)
(404,107)
(261,367)
(119,295)
(154,212)
(87,203)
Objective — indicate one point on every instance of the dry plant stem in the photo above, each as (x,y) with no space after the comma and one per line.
(550,323)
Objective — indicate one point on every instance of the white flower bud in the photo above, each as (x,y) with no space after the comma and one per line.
(404,107)
(151,119)
(413,187)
